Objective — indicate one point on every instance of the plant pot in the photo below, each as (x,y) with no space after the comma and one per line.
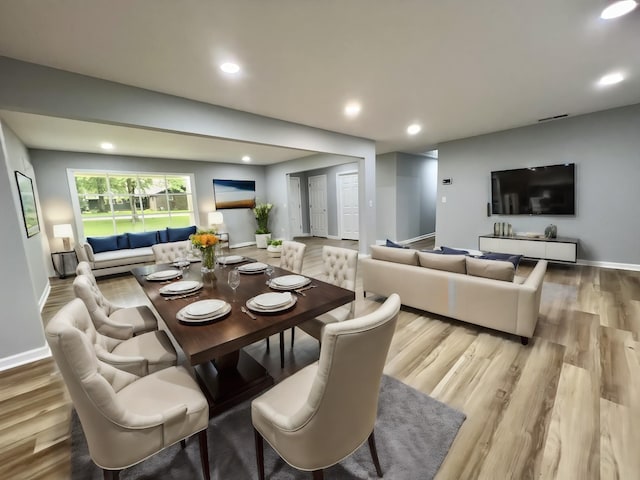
(274,250)
(262,239)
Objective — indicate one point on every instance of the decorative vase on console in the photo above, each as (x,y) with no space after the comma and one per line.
(205,241)
(551,231)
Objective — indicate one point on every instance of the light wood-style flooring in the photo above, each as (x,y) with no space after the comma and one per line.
(567,406)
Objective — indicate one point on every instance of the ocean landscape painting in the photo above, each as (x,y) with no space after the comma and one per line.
(234,193)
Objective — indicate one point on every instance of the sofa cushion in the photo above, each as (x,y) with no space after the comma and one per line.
(103,244)
(144,239)
(117,258)
(497,270)
(453,251)
(393,244)
(506,257)
(123,241)
(437,252)
(163,237)
(405,256)
(447,263)
(179,234)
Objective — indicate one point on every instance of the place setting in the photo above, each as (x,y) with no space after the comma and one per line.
(203,312)
(289,282)
(253,268)
(164,275)
(272,302)
(181,289)
(231,260)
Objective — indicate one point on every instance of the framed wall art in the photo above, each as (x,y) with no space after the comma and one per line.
(28,204)
(234,193)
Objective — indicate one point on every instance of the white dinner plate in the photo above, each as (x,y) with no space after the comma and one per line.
(272,300)
(183,318)
(164,275)
(255,267)
(251,305)
(231,259)
(203,308)
(289,282)
(181,287)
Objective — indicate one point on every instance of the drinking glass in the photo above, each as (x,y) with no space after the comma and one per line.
(182,261)
(234,281)
(269,272)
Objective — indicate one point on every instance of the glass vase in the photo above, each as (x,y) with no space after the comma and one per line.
(208,259)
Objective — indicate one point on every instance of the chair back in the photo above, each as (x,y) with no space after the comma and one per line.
(342,405)
(99,307)
(84,268)
(340,266)
(170,252)
(292,255)
(92,386)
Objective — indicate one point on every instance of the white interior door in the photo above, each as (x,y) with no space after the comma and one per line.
(295,207)
(348,206)
(318,205)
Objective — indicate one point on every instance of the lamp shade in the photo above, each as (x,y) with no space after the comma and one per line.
(215,218)
(65,232)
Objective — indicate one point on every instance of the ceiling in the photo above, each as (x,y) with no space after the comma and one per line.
(457,68)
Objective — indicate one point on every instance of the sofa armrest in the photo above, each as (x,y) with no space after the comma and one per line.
(529,300)
(84,253)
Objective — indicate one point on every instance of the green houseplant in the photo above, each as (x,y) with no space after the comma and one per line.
(263,234)
(274,248)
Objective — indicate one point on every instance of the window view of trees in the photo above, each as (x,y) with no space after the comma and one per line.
(112,203)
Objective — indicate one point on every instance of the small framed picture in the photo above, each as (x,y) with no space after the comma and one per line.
(28,204)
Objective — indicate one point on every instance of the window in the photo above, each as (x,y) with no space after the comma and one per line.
(110,203)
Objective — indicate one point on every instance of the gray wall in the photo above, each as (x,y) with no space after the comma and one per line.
(25,282)
(605,146)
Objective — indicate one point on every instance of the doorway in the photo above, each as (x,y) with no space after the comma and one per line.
(318,206)
(348,209)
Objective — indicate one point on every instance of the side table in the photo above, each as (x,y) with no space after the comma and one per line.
(60,259)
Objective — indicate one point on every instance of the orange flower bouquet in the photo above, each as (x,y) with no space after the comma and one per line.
(205,241)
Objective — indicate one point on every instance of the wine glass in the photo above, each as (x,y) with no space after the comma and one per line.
(269,272)
(234,281)
(182,261)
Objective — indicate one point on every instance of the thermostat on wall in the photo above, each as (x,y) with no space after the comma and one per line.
(447,181)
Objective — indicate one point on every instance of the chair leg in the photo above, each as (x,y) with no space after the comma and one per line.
(111,474)
(281,349)
(318,475)
(293,335)
(374,454)
(204,454)
(268,346)
(183,443)
(259,453)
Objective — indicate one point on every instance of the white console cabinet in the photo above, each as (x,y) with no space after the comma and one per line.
(555,249)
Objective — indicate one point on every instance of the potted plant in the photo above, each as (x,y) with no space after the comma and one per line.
(263,235)
(274,248)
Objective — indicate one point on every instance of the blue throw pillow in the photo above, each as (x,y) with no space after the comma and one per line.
(145,239)
(179,234)
(505,257)
(453,251)
(162,236)
(123,241)
(103,244)
(394,244)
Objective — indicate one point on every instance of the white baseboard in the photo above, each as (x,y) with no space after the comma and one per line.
(242,244)
(24,357)
(614,265)
(44,296)
(333,237)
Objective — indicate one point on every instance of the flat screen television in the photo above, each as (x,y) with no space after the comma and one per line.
(548,190)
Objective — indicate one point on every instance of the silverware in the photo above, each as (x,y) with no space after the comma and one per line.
(300,292)
(305,288)
(251,315)
(178,297)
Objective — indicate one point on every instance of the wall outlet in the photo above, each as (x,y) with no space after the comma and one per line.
(444,199)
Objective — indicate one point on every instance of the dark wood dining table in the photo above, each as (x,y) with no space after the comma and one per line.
(226,372)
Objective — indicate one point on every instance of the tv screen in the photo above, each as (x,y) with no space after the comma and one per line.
(548,190)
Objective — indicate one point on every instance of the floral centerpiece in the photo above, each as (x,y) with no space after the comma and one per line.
(205,241)
(261,212)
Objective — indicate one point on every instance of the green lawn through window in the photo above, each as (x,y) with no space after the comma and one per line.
(103,227)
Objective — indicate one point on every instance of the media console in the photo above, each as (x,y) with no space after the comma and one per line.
(559,249)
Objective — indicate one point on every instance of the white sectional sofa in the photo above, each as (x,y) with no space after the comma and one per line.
(458,286)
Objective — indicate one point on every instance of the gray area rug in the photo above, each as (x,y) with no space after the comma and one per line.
(413,435)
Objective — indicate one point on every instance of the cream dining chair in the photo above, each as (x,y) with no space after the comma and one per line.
(125,418)
(340,266)
(110,319)
(171,251)
(140,355)
(291,258)
(323,413)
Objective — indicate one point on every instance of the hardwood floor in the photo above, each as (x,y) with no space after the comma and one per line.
(567,406)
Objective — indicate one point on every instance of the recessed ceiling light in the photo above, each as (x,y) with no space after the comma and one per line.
(107,146)
(413,129)
(352,109)
(246,158)
(618,8)
(230,67)
(610,79)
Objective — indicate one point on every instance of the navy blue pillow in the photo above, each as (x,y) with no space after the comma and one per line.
(162,236)
(123,241)
(394,244)
(145,239)
(179,234)
(505,257)
(453,251)
(103,244)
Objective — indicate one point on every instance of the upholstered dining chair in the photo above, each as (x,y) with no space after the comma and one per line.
(340,266)
(140,355)
(170,252)
(125,418)
(320,415)
(291,258)
(108,318)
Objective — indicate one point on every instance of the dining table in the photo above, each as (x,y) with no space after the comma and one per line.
(227,374)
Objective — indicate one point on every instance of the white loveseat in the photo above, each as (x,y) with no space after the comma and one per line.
(508,306)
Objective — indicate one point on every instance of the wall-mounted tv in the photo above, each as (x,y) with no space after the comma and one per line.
(548,190)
